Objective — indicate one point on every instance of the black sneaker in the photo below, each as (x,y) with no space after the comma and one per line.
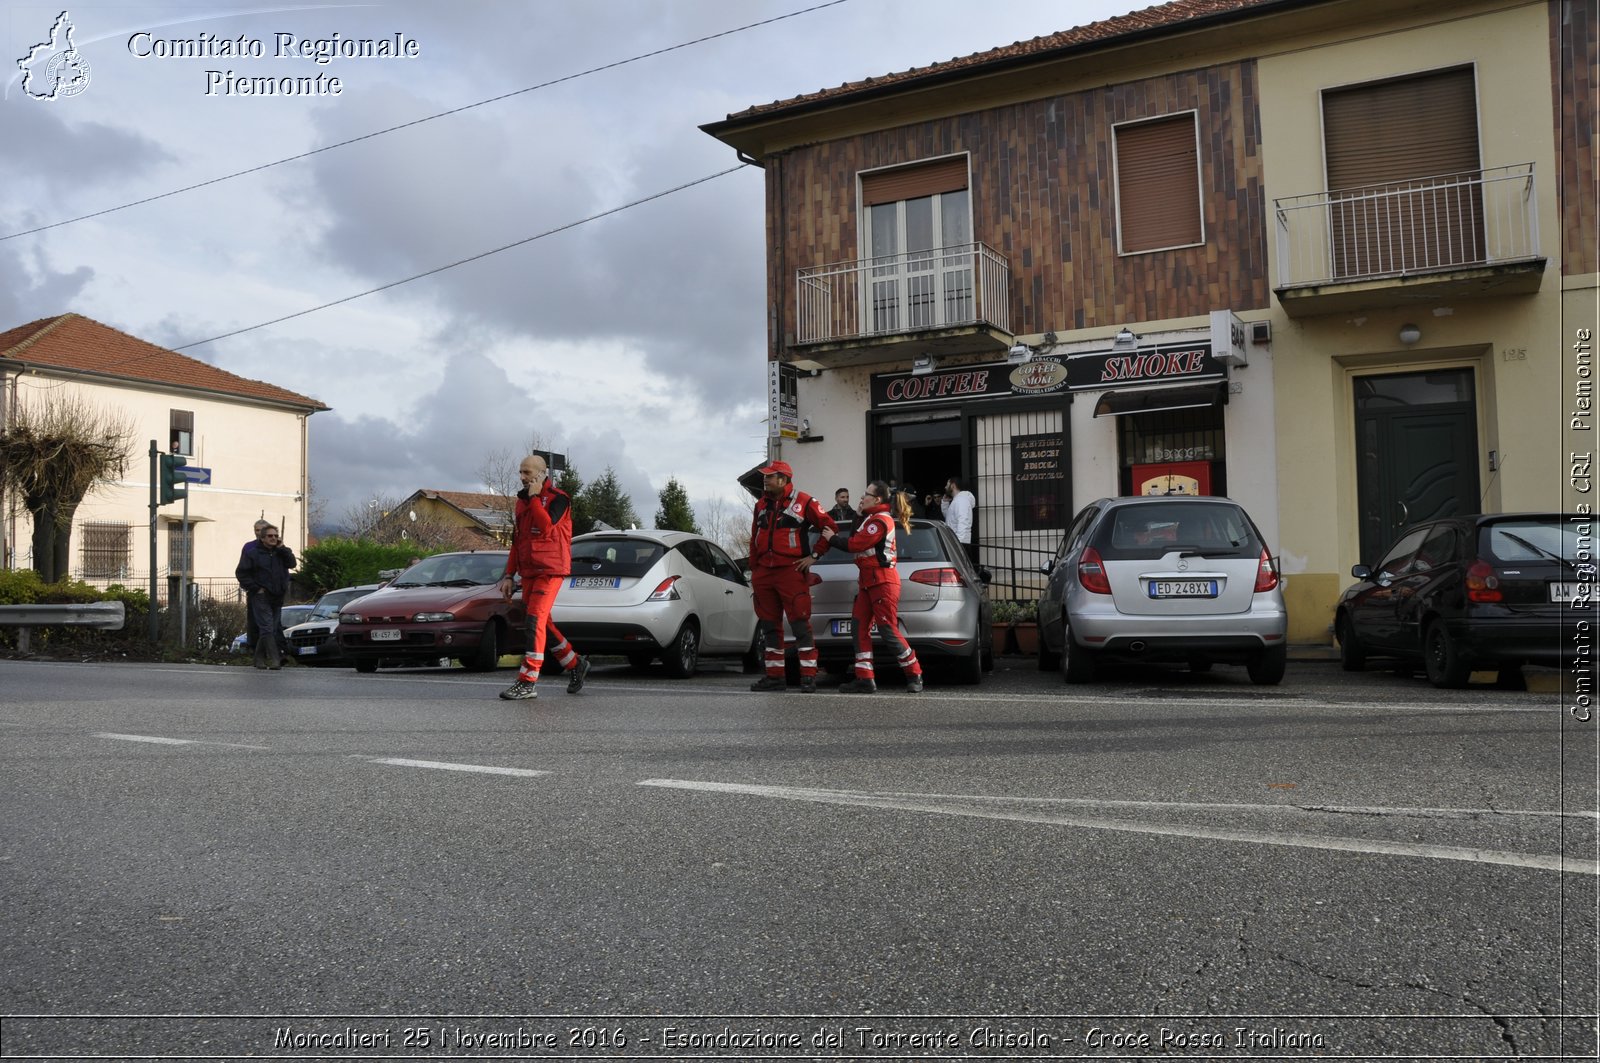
(521,690)
(580,672)
(768,682)
(808,684)
(859,686)
(913,684)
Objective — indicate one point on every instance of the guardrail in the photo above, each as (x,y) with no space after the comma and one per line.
(103,616)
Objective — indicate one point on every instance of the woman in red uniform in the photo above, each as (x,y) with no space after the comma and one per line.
(878,600)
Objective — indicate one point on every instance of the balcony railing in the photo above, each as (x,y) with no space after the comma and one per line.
(945,287)
(1431,225)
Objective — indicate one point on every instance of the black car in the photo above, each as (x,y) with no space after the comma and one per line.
(1487,591)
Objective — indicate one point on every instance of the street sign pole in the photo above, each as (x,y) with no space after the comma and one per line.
(154,625)
(183,580)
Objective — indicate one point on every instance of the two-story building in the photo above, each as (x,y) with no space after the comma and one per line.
(1325,256)
(249,438)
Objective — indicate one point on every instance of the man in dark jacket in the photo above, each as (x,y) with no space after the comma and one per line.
(263,572)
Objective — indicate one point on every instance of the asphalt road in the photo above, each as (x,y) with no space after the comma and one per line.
(326,865)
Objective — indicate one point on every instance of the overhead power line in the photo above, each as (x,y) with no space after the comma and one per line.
(429,118)
(464,261)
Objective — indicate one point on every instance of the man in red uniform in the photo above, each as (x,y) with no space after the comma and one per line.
(541,550)
(780,560)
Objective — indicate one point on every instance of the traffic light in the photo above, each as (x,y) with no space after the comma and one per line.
(174,485)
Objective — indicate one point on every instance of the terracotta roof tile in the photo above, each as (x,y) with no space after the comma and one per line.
(1106,31)
(72,342)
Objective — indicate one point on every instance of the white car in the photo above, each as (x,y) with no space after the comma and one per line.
(646,594)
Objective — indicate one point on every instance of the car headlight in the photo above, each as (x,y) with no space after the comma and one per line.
(350,618)
(432,618)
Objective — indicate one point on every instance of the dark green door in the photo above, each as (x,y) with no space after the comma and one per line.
(1417,445)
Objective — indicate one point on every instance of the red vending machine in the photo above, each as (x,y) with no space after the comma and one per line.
(1172,478)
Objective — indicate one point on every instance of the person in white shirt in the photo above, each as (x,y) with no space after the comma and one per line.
(958,508)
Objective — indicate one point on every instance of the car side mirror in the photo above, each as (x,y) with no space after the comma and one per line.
(1361,572)
(1048,567)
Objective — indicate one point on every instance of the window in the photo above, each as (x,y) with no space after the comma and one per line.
(180,548)
(106,550)
(1158,184)
(182,440)
(1403,174)
(918,239)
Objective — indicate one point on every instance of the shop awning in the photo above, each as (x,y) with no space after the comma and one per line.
(1152,400)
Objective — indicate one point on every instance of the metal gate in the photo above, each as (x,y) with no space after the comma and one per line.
(1022,465)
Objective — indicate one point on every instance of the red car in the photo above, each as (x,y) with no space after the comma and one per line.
(443,606)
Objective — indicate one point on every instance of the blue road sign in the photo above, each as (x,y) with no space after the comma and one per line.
(195,474)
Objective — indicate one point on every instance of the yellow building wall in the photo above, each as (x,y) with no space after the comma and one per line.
(1512,343)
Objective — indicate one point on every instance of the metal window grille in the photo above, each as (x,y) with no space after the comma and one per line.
(1024,491)
(107,549)
(1173,435)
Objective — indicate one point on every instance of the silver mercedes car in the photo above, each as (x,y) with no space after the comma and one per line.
(1164,578)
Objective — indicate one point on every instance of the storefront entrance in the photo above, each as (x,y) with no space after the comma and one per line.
(1416,452)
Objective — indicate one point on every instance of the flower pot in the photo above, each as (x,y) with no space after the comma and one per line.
(1027,636)
(1002,640)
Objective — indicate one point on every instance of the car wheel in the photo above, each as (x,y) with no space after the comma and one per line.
(682,655)
(640,662)
(1352,655)
(366,667)
(1442,658)
(753,659)
(969,671)
(1077,663)
(487,656)
(1266,668)
(1049,660)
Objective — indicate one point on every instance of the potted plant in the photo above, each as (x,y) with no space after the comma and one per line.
(1026,628)
(1005,615)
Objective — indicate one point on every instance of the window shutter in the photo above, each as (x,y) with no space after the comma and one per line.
(913,182)
(1158,184)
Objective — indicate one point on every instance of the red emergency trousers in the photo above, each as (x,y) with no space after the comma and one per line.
(878,599)
(541,551)
(777,541)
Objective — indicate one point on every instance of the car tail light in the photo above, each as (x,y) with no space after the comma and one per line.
(1483,583)
(1092,572)
(666,591)
(937,577)
(1266,573)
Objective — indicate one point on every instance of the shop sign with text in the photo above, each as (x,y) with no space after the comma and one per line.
(1163,363)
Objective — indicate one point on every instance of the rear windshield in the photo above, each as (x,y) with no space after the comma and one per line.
(453,570)
(620,556)
(921,543)
(1148,531)
(1535,539)
(330,604)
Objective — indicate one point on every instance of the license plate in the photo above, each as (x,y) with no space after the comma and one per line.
(844,627)
(387,634)
(1183,588)
(1564,592)
(595,583)
(306,651)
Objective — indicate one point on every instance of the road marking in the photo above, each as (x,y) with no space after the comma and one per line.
(1207,806)
(1304,841)
(157,740)
(441,765)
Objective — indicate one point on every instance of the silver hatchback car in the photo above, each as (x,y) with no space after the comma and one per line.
(1164,578)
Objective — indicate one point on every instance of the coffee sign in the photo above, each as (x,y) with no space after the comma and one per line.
(1160,363)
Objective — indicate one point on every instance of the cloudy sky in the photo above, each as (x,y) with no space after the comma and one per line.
(635,341)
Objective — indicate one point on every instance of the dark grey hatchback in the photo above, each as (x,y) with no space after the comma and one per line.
(1490,591)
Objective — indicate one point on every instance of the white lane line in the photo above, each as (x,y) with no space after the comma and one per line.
(1304,841)
(157,740)
(441,765)
(1210,806)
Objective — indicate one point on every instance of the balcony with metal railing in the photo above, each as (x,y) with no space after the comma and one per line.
(945,300)
(1451,236)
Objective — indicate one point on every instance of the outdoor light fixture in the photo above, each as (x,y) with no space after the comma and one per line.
(923,364)
(1019,354)
(1409,334)
(1126,340)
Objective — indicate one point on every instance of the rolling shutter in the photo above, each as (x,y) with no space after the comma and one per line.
(913,182)
(1158,184)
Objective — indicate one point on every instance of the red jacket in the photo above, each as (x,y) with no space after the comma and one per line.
(541,544)
(874,546)
(778,536)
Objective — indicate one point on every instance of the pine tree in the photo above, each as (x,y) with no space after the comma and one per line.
(675,513)
(607,502)
(569,481)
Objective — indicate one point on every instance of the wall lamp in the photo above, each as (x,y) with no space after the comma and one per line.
(1410,334)
(923,364)
(1126,340)
(1019,354)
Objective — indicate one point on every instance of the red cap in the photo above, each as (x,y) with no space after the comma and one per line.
(779,467)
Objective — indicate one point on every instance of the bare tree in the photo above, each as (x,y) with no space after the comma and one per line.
(52,452)
(498,469)
(726,523)
(362,518)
